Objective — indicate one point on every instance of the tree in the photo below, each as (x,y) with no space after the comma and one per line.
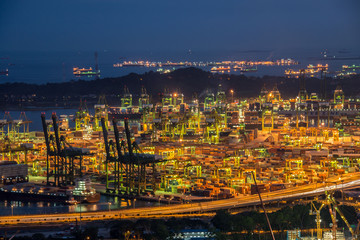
(38,236)
(223,221)
(90,233)
(160,230)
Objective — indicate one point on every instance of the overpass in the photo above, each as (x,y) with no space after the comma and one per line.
(190,209)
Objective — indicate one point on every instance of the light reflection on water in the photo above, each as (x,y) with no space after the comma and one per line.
(8,207)
(35,115)
(20,208)
(41,67)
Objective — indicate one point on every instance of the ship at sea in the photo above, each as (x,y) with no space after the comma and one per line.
(244,69)
(351,67)
(348,71)
(220,69)
(78,72)
(309,71)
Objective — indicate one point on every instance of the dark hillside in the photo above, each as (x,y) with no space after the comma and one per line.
(187,80)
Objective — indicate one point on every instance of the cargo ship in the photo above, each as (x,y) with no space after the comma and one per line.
(344,74)
(352,67)
(220,69)
(347,71)
(248,69)
(238,67)
(32,192)
(243,68)
(81,193)
(311,70)
(84,192)
(78,72)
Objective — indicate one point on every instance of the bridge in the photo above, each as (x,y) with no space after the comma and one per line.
(192,209)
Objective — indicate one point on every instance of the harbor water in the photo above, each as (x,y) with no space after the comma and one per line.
(8,207)
(106,203)
(45,67)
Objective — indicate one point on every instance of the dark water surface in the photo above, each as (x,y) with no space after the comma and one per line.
(8,207)
(43,67)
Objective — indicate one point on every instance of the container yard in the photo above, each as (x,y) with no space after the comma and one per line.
(200,149)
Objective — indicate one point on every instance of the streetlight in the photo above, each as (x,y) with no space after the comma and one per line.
(80,213)
(232,95)
(12,210)
(109,206)
(76,204)
(342,189)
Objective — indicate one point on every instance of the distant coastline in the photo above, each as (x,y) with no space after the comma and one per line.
(189,81)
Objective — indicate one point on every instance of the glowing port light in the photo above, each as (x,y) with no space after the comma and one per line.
(84,71)
(310,70)
(221,68)
(351,67)
(281,62)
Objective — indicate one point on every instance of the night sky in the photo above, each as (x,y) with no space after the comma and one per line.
(168,25)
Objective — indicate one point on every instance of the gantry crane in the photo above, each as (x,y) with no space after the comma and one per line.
(21,123)
(101,111)
(126,166)
(333,208)
(126,100)
(82,117)
(63,162)
(213,127)
(15,129)
(144,98)
(113,155)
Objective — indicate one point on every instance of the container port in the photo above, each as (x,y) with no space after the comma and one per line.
(201,148)
(197,151)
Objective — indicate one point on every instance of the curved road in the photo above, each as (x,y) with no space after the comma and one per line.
(309,190)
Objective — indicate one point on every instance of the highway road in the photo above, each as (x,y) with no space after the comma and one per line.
(309,190)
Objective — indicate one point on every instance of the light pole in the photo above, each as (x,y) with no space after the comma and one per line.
(80,213)
(12,210)
(232,95)
(76,204)
(109,206)
(342,190)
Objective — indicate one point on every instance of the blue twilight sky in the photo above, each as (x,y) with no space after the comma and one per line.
(169,25)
